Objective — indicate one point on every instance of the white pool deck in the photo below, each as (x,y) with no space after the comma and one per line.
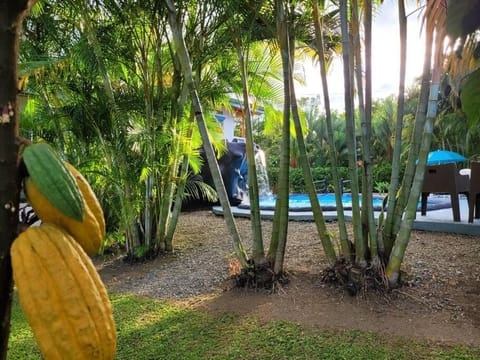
(435,220)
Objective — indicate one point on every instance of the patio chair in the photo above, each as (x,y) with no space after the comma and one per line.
(474,193)
(444,179)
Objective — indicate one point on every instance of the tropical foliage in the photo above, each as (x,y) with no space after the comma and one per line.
(112,92)
(126,90)
(120,111)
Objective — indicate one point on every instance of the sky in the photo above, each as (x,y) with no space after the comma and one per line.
(385,57)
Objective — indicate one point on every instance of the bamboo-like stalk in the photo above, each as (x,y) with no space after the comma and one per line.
(148,211)
(365,107)
(163,222)
(392,271)
(184,167)
(395,175)
(393,222)
(367,196)
(280,220)
(360,248)
(258,252)
(344,242)
(307,173)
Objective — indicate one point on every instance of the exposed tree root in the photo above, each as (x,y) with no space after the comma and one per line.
(259,276)
(355,279)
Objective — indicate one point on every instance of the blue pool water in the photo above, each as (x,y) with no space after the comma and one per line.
(301,202)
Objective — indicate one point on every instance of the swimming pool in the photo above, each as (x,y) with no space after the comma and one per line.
(301,202)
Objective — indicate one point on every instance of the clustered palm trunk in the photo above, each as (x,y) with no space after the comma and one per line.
(382,248)
(435,20)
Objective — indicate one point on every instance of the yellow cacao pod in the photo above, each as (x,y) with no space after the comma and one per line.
(62,295)
(89,232)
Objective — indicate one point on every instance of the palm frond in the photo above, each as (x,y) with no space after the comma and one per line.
(198,190)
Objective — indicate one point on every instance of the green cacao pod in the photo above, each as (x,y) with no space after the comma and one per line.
(62,295)
(89,232)
(53,179)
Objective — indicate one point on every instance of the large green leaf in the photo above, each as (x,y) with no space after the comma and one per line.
(470,97)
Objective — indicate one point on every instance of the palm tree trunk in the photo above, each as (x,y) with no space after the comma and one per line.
(148,214)
(344,242)
(400,245)
(307,173)
(395,175)
(280,220)
(258,252)
(177,113)
(184,59)
(360,246)
(398,251)
(420,117)
(365,106)
(148,206)
(367,197)
(165,200)
(12,14)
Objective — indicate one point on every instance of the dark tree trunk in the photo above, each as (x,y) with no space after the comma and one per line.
(12,13)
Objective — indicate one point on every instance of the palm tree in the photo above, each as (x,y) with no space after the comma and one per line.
(398,200)
(374,250)
(436,20)
(461,62)
(247,34)
(280,220)
(435,15)
(145,135)
(302,157)
(344,242)
(394,180)
(360,246)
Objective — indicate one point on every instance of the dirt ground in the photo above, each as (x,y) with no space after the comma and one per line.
(441,302)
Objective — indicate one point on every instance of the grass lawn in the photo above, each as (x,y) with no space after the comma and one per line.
(152,329)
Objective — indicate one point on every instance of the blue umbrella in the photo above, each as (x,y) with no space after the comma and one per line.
(443,157)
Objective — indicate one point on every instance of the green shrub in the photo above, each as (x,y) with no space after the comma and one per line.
(297,183)
(380,177)
(381,172)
